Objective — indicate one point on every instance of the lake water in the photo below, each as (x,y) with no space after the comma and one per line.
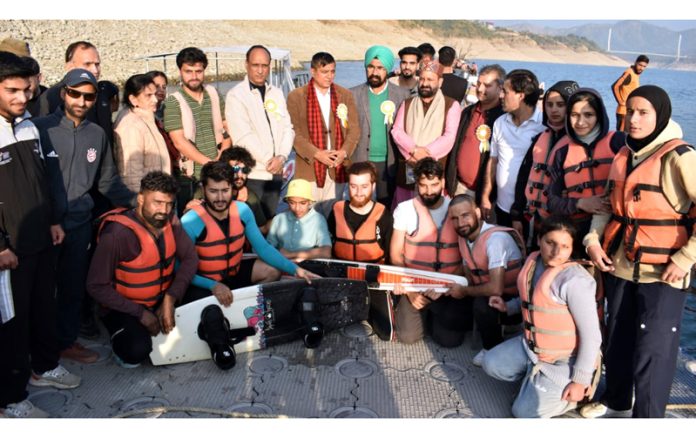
(678,84)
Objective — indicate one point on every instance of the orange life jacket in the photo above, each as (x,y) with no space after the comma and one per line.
(361,245)
(145,278)
(650,228)
(431,249)
(243,194)
(549,327)
(220,253)
(537,193)
(476,259)
(585,175)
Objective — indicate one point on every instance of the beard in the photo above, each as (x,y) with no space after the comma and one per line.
(218,206)
(375,81)
(426,92)
(359,203)
(430,200)
(157,220)
(239,183)
(467,230)
(406,74)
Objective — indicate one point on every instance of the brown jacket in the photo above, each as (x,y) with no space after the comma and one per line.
(305,150)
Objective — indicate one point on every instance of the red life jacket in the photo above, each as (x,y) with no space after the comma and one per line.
(585,175)
(361,245)
(549,327)
(476,259)
(543,153)
(643,219)
(220,253)
(431,249)
(145,278)
(243,194)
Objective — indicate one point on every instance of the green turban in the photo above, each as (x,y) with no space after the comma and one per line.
(384,54)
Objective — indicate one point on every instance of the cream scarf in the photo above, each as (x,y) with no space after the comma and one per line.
(422,127)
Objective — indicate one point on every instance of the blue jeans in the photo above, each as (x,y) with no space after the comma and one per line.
(539,397)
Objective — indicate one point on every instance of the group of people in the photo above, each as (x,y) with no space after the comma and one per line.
(517,197)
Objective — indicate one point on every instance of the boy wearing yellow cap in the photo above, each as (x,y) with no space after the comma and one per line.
(300,233)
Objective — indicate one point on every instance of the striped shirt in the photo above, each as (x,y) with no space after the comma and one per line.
(202,114)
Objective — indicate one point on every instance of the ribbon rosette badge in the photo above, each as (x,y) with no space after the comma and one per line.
(342,113)
(388,109)
(271,107)
(483,134)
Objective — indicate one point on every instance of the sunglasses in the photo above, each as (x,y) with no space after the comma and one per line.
(244,169)
(89,97)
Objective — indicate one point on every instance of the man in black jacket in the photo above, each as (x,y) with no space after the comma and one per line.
(466,164)
(29,228)
(85,158)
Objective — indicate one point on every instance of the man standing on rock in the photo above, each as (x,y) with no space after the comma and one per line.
(627,82)
(326,132)
(377,102)
(259,122)
(194,119)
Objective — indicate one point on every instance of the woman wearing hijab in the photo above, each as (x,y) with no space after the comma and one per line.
(139,147)
(647,248)
(581,166)
(533,179)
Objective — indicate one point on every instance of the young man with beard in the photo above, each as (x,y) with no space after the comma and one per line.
(492,257)
(85,162)
(29,228)
(194,117)
(377,103)
(242,164)
(425,126)
(259,121)
(511,138)
(326,132)
(361,228)
(466,165)
(424,238)
(219,228)
(407,78)
(132,272)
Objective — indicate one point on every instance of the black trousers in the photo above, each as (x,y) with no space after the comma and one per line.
(445,319)
(642,343)
(489,322)
(130,340)
(268,192)
(28,341)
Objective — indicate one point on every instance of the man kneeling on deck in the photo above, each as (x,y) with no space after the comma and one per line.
(219,227)
(424,238)
(492,256)
(132,271)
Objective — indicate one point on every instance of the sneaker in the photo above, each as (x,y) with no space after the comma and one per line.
(478,359)
(123,364)
(79,353)
(600,410)
(58,377)
(23,409)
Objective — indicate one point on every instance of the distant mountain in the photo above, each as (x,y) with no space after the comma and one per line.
(630,36)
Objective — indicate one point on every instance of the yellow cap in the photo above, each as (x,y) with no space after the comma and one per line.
(300,188)
(13,45)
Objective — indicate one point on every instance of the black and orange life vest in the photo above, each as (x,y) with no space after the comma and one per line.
(147,277)
(643,219)
(585,175)
(543,152)
(476,258)
(361,245)
(431,249)
(220,253)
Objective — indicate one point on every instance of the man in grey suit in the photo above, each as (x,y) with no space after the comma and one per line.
(377,101)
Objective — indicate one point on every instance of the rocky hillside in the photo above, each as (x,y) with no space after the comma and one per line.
(121,42)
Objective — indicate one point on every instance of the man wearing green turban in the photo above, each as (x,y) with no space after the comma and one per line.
(377,102)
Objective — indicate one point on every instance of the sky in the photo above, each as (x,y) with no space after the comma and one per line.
(675,25)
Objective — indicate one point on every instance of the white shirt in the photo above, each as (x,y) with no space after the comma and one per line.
(509,144)
(501,248)
(406,217)
(325,106)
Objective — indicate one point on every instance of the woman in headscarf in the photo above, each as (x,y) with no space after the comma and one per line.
(647,248)
(581,166)
(532,182)
(139,147)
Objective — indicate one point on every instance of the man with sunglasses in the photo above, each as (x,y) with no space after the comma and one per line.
(242,164)
(85,158)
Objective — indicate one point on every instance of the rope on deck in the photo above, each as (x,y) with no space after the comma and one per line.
(166,409)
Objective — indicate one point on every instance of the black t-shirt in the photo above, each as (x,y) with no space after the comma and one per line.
(355,221)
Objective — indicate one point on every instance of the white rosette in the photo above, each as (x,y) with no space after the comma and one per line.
(342,113)
(387,108)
